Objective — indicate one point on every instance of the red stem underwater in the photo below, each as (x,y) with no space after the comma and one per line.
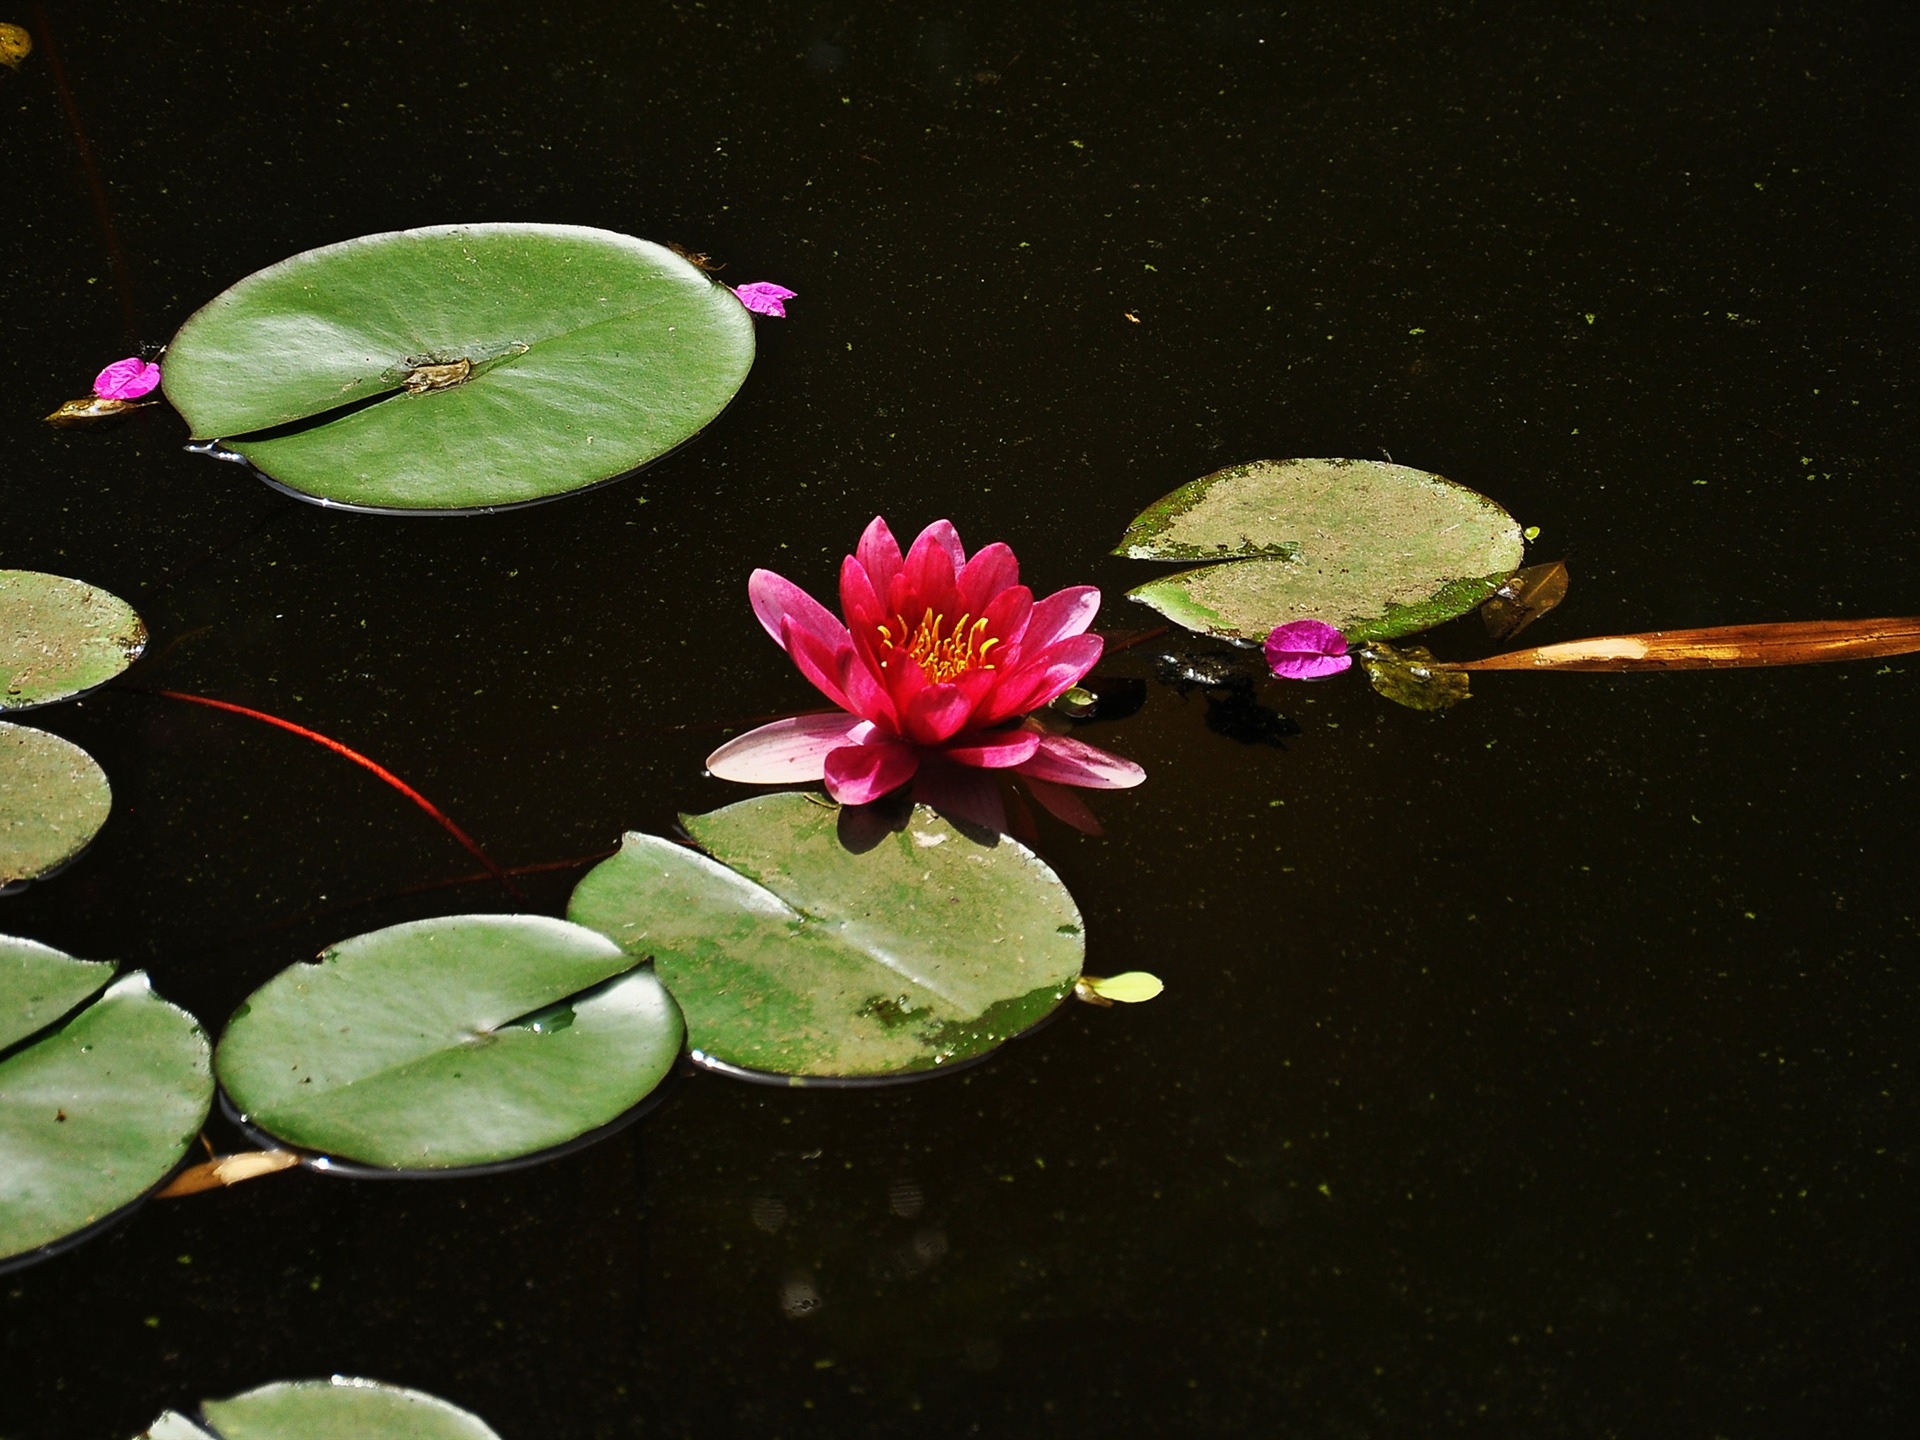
(472,846)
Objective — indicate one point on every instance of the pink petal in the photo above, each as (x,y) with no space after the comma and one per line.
(126,379)
(763,297)
(867,695)
(860,602)
(787,752)
(879,555)
(858,773)
(994,749)
(820,663)
(1306,650)
(775,598)
(925,581)
(1040,677)
(935,714)
(991,571)
(1066,761)
(1063,613)
(942,533)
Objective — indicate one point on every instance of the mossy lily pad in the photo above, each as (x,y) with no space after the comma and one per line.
(460,1041)
(53,801)
(60,638)
(334,1409)
(97,1110)
(460,367)
(1374,549)
(794,956)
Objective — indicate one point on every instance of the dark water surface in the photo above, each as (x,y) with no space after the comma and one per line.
(1543,1068)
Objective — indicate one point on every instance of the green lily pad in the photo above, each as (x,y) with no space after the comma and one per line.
(39,984)
(336,1409)
(60,638)
(791,955)
(53,800)
(1375,550)
(96,1113)
(460,367)
(465,1040)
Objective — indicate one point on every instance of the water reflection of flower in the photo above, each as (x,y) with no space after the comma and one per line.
(938,661)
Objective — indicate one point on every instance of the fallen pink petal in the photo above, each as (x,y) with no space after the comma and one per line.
(1306,650)
(763,297)
(126,379)
(936,664)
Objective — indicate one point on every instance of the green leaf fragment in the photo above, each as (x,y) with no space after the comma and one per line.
(96,1113)
(341,1409)
(1406,677)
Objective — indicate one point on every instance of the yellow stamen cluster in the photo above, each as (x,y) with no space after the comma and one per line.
(943,655)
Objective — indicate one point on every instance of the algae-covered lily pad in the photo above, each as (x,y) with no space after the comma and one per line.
(53,800)
(460,367)
(792,955)
(95,1112)
(459,1041)
(60,638)
(1375,550)
(335,1409)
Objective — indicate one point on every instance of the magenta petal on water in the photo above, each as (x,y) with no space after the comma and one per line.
(787,752)
(763,297)
(126,379)
(1307,650)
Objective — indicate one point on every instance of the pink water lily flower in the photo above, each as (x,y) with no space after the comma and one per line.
(939,659)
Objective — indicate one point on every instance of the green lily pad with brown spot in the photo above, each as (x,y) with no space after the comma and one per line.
(1374,549)
(96,1110)
(460,367)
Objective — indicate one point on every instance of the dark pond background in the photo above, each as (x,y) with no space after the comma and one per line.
(1543,1068)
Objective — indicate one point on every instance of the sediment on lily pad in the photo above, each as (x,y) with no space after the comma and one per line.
(1374,549)
(793,955)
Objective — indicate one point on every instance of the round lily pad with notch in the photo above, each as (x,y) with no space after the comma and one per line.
(793,956)
(460,1041)
(60,638)
(460,367)
(335,1409)
(1374,549)
(97,1107)
(53,801)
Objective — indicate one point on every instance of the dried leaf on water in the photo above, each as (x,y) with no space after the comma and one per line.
(1524,597)
(1717,647)
(227,1170)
